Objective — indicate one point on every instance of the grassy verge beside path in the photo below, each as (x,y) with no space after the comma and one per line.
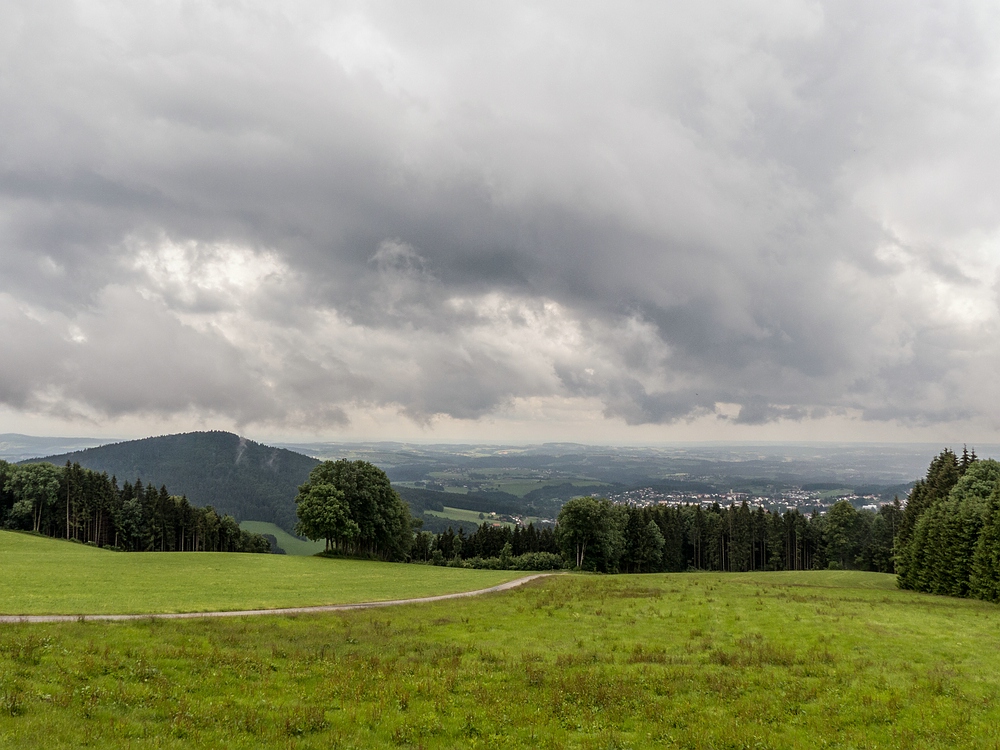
(47,576)
(693,661)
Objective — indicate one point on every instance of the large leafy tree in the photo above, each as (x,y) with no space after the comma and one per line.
(580,526)
(384,527)
(35,488)
(592,532)
(324,514)
(6,497)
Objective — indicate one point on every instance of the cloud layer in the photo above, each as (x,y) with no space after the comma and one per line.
(287,216)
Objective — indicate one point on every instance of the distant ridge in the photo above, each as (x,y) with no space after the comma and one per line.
(235,475)
(15,447)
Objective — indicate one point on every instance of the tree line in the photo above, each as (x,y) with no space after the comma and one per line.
(496,547)
(78,504)
(594,534)
(949,541)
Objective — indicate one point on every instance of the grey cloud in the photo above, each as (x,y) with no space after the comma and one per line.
(134,357)
(636,405)
(725,175)
(758,412)
(28,355)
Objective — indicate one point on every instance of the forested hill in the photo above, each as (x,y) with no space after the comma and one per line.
(234,475)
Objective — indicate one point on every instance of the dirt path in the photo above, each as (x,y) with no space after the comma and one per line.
(282,611)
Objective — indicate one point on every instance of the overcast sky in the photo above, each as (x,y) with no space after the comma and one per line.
(506,221)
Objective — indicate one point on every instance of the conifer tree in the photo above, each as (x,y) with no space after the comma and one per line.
(942,475)
(984,580)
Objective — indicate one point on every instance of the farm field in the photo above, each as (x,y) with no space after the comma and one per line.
(291,544)
(514,482)
(768,660)
(48,576)
(470,518)
(523,487)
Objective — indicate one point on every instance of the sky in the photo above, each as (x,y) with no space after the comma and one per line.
(501,222)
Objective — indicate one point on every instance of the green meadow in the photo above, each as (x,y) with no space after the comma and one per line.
(49,576)
(523,487)
(470,518)
(766,660)
(292,545)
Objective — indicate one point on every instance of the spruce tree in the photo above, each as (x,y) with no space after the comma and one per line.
(942,475)
(984,581)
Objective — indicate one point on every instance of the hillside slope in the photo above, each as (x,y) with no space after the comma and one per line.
(234,475)
(51,576)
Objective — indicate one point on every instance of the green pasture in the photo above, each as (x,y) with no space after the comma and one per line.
(291,544)
(48,576)
(694,661)
(467,517)
(523,487)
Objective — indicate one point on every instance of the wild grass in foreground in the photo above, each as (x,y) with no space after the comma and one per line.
(49,576)
(685,660)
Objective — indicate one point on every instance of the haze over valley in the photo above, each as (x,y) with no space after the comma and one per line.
(451,485)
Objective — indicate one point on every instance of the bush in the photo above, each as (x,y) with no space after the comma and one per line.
(538,561)
(527,561)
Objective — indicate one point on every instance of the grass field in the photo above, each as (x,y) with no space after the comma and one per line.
(468,518)
(47,576)
(700,661)
(459,514)
(518,485)
(291,544)
(523,487)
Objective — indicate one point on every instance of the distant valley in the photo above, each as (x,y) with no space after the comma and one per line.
(464,485)
(15,447)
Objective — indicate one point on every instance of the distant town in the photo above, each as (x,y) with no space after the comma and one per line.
(805,501)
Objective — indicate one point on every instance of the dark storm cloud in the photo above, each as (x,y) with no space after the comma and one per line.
(281,215)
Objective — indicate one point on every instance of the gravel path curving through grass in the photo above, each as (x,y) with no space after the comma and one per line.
(281,611)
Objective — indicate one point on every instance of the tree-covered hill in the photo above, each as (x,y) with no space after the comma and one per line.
(234,475)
